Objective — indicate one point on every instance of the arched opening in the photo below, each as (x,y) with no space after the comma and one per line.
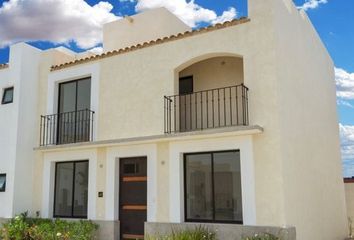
(209,94)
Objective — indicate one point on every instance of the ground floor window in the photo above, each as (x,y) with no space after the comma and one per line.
(71,189)
(213,187)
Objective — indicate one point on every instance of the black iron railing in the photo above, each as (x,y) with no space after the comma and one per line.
(220,107)
(68,127)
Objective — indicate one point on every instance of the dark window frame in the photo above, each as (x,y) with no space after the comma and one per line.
(76,81)
(184,79)
(186,219)
(73,195)
(4,94)
(4,188)
(76,90)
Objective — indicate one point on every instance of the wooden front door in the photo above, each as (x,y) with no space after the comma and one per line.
(133,197)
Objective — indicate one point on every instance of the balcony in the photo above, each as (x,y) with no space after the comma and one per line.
(67,127)
(214,108)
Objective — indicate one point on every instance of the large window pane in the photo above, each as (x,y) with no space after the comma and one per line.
(67,97)
(8,95)
(199,187)
(64,189)
(213,187)
(71,189)
(227,179)
(83,94)
(81,189)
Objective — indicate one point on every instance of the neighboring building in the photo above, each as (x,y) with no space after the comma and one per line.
(235,123)
(349,196)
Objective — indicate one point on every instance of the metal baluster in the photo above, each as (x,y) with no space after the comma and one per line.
(175,129)
(190,112)
(213,107)
(196,110)
(185,112)
(201,109)
(247,112)
(207,108)
(231,123)
(164,114)
(224,106)
(170,114)
(46,135)
(236,99)
(218,107)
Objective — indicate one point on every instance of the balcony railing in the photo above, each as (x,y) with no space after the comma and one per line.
(215,108)
(65,128)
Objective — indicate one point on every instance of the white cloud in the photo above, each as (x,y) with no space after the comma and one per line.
(312,4)
(189,12)
(345,103)
(226,16)
(345,84)
(55,21)
(96,50)
(347,145)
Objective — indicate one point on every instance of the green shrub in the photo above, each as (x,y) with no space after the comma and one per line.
(263,236)
(199,233)
(23,228)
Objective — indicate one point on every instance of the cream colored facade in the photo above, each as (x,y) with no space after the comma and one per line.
(290,158)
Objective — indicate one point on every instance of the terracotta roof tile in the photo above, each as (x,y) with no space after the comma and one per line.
(3,66)
(151,43)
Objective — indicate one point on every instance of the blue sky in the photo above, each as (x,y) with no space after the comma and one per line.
(333,19)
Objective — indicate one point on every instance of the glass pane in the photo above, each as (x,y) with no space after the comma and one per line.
(81,189)
(199,190)
(63,190)
(186,85)
(67,97)
(83,117)
(83,94)
(8,95)
(227,182)
(2,182)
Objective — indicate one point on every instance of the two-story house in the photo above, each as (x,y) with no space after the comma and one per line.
(231,124)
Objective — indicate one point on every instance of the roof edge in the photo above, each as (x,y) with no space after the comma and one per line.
(151,43)
(4,65)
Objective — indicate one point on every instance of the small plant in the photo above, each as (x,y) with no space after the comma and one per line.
(199,233)
(263,236)
(23,228)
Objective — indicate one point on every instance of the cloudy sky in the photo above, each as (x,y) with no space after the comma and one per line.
(77,24)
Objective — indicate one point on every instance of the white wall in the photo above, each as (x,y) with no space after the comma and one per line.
(18,128)
(8,129)
(27,59)
(310,152)
(144,27)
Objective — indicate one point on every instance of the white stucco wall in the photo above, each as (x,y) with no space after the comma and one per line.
(140,28)
(18,122)
(8,126)
(215,72)
(309,146)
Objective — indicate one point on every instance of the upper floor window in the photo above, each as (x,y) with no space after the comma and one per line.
(186,85)
(8,95)
(2,182)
